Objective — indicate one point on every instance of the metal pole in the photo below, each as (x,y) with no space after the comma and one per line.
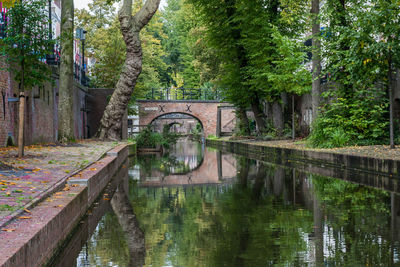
(50,23)
(83,63)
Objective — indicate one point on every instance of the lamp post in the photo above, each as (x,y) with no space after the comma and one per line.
(80,34)
(50,58)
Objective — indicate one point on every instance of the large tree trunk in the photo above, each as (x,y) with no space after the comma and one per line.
(258,115)
(66,92)
(111,123)
(243,121)
(278,119)
(316,59)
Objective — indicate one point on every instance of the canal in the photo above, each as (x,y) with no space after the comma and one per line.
(197,206)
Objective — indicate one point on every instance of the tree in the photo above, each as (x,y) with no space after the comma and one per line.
(105,44)
(316,59)
(180,22)
(66,90)
(290,74)
(361,58)
(131,25)
(25,47)
(241,34)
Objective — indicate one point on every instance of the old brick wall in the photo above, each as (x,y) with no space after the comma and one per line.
(204,111)
(40,126)
(41,120)
(80,111)
(6,108)
(97,102)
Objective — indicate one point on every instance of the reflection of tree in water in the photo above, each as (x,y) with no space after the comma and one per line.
(118,240)
(358,224)
(107,244)
(236,225)
(133,234)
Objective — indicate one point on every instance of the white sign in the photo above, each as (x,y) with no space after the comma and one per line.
(151,109)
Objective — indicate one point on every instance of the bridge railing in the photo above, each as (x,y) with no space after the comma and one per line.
(183,94)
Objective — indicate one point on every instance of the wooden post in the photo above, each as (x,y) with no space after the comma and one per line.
(21,124)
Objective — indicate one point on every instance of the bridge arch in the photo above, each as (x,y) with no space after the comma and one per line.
(174,119)
(204,111)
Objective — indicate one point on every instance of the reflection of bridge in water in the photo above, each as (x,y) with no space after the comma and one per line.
(215,168)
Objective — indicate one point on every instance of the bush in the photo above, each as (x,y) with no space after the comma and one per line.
(148,139)
(358,121)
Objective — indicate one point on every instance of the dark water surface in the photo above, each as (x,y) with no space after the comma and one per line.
(201,207)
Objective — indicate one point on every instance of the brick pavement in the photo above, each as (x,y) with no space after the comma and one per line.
(45,168)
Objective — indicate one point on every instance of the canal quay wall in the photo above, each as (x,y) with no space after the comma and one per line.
(53,220)
(374,172)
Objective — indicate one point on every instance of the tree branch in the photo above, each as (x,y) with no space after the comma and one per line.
(144,15)
(125,15)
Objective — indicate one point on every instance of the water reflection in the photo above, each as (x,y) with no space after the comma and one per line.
(241,212)
(109,235)
(129,224)
(270,216)
(186,163)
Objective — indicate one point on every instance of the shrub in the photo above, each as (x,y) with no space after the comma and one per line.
(357,121)
(148,139)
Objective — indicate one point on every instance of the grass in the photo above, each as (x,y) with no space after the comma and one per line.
(5,207)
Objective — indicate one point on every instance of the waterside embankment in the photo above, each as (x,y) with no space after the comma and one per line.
(34,231)
(359,164)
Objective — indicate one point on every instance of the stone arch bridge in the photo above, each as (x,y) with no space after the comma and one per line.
(215,117)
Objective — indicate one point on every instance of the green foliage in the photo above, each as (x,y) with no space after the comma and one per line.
(105,43)
(360,120)
(185,52)
(361,45)
(341,197)
(148,139)
(27,43)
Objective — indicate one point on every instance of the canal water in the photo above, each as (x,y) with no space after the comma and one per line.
(198,206)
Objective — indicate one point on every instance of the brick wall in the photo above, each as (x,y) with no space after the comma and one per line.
(6,108)
(41,120)
(97,102)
